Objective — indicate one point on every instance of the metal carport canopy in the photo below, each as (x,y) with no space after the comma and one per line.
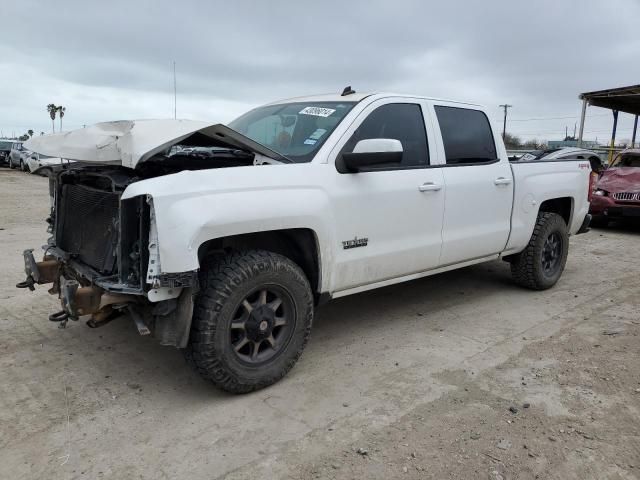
(622,99)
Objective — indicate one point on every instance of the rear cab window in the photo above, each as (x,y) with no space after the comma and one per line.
(466,135)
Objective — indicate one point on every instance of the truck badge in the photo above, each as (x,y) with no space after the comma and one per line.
(356,242)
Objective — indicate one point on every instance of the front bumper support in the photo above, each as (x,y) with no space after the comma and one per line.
(39,273)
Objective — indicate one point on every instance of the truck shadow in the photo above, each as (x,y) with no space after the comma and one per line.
(620,226)
(123,356)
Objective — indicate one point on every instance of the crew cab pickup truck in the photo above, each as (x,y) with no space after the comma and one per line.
(227,255)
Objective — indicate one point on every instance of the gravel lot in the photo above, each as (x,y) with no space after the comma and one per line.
(411,381)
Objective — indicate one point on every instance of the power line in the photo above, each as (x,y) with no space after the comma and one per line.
(552,132)
(555,118)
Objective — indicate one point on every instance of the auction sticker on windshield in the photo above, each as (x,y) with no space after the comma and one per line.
(317,111)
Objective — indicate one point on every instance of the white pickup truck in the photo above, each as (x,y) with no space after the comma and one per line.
(222,240)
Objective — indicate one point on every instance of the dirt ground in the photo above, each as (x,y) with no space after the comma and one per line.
(462,375)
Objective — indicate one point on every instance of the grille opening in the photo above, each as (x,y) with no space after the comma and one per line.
(627,196)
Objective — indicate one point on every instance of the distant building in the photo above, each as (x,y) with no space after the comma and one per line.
(572,143)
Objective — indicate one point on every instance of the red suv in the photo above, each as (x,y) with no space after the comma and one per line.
(617,193)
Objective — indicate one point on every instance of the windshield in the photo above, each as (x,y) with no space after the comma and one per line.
(627,160)
(295,130)
(5,145)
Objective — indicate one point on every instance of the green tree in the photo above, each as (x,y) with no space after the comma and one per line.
(53,110)
(30,133)
(61,111)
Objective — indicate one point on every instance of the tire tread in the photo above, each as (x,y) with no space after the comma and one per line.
(220,275)
(525,267)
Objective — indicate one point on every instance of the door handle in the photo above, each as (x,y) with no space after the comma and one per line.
(429,187)
(502,181)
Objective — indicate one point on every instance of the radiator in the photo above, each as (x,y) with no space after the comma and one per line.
(87,226)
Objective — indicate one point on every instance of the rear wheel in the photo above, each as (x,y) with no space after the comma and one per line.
(251,320)
(540,265)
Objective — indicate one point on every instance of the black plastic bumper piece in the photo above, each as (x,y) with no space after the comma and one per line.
(584,228)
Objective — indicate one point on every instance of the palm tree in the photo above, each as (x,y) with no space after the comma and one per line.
(53,110)
(30,132)
(61,111)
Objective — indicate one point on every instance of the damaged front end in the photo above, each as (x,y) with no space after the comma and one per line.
(102,257)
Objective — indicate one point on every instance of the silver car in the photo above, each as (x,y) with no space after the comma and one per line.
(16,156)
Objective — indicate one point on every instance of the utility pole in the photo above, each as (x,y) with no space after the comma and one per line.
(504,126)
(175,96)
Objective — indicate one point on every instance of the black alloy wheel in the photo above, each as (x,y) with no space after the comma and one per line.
(262,325)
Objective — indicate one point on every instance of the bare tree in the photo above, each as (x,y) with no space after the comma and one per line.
(53,110)
(535,144)
(511,141)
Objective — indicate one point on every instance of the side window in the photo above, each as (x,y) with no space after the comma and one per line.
(399,121)
(466,135)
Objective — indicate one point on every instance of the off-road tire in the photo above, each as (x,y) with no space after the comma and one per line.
(225,280)
(526,267)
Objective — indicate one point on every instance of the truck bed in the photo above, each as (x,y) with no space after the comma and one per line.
(536,182)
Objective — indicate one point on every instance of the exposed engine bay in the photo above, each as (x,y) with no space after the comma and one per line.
(102,256)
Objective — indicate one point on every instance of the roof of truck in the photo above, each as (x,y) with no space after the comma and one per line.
(358,96)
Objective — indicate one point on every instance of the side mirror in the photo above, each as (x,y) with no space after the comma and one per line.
(373,151)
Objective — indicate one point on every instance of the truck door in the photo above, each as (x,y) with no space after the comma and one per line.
(388,219)
(479,186)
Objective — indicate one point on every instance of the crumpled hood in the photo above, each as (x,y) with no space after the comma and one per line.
(623,179)
(128,142)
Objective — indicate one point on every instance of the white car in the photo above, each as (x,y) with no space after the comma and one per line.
(36,161)
(302,201)
(565,153)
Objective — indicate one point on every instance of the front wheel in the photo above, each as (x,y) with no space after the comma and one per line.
(251,320)
(540,265)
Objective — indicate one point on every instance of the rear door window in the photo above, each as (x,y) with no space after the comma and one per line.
(466,135)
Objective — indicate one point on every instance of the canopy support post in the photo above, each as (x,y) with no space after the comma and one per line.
(584,112)
(613,136)
(635,128)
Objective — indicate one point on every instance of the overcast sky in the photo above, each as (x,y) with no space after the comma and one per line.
(112,60)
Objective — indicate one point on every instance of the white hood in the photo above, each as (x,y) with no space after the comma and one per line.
(128,142)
